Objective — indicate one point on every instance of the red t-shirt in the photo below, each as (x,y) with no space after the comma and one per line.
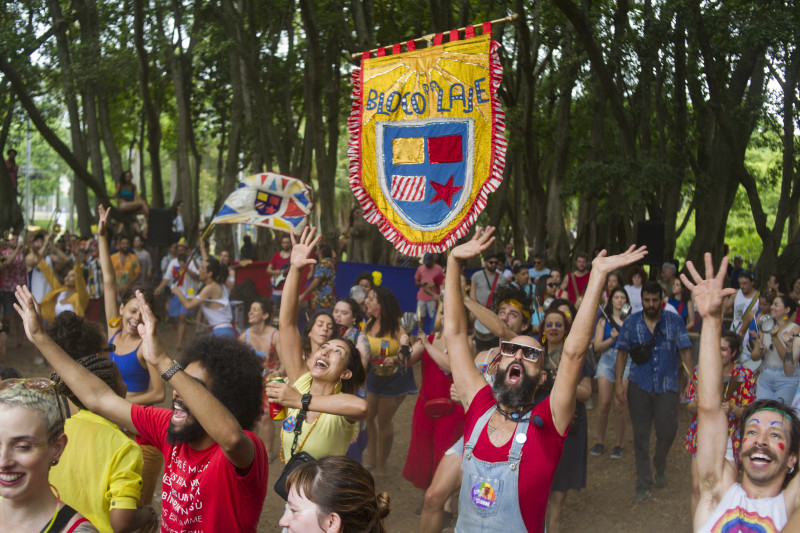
(277,263)
(580,281)
(540,455)
(202,491)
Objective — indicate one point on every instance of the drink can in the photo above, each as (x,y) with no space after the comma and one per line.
(276,410)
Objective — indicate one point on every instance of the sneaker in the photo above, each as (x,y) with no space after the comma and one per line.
(642,493)
(597,450)
(660,479)
(616,453)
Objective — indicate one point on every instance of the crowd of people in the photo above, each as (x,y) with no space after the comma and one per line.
(509,364)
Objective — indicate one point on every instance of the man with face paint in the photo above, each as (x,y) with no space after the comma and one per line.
(512,448)
(769,490)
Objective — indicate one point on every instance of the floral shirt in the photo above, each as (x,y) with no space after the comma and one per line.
(741,396)
(14,274)
(324,295)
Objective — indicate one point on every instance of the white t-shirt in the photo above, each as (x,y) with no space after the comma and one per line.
(39,285)
(740,303)
(635,297)
(736,509)
(189,284)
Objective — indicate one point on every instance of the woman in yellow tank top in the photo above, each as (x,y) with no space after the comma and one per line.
(327,378)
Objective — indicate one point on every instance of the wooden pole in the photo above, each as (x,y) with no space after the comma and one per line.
(429,37)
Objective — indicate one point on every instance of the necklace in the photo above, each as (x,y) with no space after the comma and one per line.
(515,416)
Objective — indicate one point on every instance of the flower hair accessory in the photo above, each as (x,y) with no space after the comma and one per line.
(377,278)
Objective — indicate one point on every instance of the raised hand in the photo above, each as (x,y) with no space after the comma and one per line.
(709,292)
(29,311)
(151,346)
(480,241)
(605,264)
(301,250)
(102,222)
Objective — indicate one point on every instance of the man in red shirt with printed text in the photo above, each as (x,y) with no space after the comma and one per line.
(770,434)
(215,469)
(511,448)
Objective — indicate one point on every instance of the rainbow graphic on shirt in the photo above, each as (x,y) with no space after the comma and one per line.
(738,520)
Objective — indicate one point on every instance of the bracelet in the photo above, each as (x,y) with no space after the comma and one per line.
(171,371)
(153,515)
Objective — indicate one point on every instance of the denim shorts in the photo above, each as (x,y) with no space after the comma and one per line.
(607,366)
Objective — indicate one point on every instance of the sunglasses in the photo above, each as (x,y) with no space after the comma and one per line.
(529,353)
(552,285)
(34,384)
(492,262)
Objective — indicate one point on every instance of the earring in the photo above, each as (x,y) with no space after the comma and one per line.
(54,462)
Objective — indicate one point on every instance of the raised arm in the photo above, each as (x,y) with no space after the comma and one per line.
(91,390)
(562,398)
(467,378)
(489,318)
(216,420)
(107,269)
(712,422)
(291,352)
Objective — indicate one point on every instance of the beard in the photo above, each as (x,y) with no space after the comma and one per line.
(190,431)
(515,396)
(652,312)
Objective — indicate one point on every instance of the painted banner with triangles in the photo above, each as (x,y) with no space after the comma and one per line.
(269,200)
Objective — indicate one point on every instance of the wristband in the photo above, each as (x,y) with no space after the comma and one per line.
(171,371)
(153,515)
(304,401)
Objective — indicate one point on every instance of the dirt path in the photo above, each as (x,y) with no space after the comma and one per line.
(605,505)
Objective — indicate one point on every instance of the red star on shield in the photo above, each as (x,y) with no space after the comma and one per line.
(445,192)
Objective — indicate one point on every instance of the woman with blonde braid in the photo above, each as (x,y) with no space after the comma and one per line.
(32,440)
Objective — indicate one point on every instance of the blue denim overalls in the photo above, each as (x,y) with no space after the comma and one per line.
(489,499)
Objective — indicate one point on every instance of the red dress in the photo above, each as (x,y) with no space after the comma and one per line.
(430,438)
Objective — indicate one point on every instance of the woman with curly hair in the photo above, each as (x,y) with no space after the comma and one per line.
(335,495)
(213,298)
(389,379)
(98,451)
(321,383)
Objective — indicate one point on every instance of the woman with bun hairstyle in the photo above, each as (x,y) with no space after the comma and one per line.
(334,495)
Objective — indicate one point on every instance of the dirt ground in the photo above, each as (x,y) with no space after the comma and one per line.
(606,504)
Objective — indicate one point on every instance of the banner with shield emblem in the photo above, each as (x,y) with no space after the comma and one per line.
(426,139)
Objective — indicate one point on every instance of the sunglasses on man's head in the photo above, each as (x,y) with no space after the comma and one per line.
(529,353)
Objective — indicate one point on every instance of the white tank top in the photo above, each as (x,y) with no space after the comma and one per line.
(737,512)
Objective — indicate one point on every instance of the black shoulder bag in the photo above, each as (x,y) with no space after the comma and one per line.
(298,458)
(641,353)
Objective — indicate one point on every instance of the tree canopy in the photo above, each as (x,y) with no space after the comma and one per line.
(617,111)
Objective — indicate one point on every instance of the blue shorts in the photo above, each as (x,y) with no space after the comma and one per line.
(223,332)
(176,308)
(607,366)
(399,384)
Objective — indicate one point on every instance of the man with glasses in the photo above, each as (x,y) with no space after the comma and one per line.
(538,269)
(512,448)
(484,284)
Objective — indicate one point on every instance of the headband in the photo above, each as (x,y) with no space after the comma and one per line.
(518,305)
(789,418)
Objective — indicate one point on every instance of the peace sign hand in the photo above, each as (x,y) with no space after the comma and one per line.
(102,222)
